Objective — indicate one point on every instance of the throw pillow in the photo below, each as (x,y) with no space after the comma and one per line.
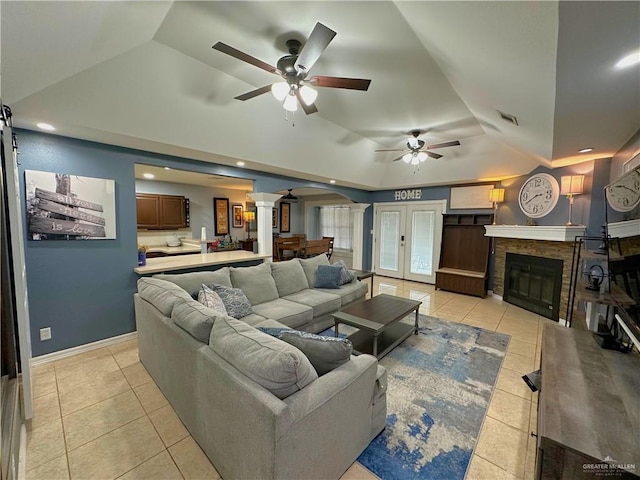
(345,274)
(324,353)
(275,365)
(211,299)
(234,299)
(328,276)
(275,331)
(310,265)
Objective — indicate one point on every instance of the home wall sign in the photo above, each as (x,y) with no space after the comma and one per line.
(407,194)
(69,207)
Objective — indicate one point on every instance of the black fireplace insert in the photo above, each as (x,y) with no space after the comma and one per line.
(533,283)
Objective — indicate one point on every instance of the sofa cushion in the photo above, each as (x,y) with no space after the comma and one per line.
(234,299)
(345,274)
(256,283)
(310,265)
(349,292)
(211,299)
(324,353)
(289,277)
(275,365)
(253,319)
(191,282)
(290,314)
(320,302)
(195,318)
(327,276)
(162,294)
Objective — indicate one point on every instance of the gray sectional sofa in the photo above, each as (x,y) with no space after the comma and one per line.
(254,403)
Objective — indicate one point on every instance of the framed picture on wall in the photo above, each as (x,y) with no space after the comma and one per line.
(61,206)
(285,211)
(237,216)
(221,215)
(274,218)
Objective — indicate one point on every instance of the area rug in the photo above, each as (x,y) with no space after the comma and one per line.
(440,385)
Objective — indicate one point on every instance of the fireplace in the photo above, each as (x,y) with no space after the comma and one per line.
(533,283)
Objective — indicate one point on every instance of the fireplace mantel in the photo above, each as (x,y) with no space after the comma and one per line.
(628,228)
(564,233)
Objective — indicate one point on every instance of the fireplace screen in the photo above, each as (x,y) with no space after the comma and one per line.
(533,283)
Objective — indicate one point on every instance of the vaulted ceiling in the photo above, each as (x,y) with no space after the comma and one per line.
(144,75)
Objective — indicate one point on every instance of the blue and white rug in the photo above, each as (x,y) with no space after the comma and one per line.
(440,385)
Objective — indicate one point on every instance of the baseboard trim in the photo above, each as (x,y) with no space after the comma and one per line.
(52,357)
(496,296)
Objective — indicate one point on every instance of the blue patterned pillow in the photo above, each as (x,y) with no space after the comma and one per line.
(328,276)
(275,331)
(234,299)
(345,274)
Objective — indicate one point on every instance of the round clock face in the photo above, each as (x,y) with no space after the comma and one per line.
(539,195)
(624,195)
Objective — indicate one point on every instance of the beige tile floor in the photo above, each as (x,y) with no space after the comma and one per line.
(99,415)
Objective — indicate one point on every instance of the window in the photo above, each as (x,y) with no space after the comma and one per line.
(335,221)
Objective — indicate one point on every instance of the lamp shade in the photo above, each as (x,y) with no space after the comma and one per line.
(496,195)
(290,103)
(280,90)
(571,184)
(406,158)
(249,216)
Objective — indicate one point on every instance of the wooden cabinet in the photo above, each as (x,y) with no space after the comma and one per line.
(162,212)
(464,255)
(588,420)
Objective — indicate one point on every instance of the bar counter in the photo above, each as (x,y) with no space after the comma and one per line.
(186,262)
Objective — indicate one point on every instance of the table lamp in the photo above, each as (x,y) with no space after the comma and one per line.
(571,185)
(496,195)
(248,218)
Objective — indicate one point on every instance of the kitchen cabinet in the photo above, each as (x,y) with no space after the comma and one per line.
(162,212)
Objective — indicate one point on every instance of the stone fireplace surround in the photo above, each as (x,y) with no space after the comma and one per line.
(548,242)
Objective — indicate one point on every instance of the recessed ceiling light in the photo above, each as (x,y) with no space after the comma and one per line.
(585,150)
(167,168)
(629,60)
(149,175)
(45,126)
(240,164)
(332,181)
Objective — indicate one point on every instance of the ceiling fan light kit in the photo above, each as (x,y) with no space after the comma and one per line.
(294,69)
(417,151)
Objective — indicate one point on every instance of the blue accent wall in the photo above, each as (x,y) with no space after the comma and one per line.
(83,289)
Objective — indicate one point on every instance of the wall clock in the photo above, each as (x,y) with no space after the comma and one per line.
(539,195)
(623,195)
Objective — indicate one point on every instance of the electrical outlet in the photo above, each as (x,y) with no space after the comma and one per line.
(45,333)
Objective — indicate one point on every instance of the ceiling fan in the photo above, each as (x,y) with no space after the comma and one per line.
(289,197)
(417,151)
(294,70)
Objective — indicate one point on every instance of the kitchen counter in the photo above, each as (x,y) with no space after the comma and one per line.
(186,262)
(184,248)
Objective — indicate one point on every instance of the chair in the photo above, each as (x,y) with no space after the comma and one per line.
(330,246)
(316,247)
(288,247)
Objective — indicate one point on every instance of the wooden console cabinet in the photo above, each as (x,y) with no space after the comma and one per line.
(162,212)
(588,410)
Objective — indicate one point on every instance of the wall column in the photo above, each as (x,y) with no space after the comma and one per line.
(357,242)
(264,205)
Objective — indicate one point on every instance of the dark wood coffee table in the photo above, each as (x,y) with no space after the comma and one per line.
(378,321)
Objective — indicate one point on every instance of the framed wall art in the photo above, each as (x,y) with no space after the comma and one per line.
(237,216)
(69,207)
(471,197)
(221,215)
(285,217)
(274,218)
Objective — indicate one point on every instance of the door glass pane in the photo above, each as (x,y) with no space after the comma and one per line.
(422,225)
(389,240)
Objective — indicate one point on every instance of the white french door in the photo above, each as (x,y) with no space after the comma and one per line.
(407,240)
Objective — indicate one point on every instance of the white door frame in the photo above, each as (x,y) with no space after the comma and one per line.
(441,204)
